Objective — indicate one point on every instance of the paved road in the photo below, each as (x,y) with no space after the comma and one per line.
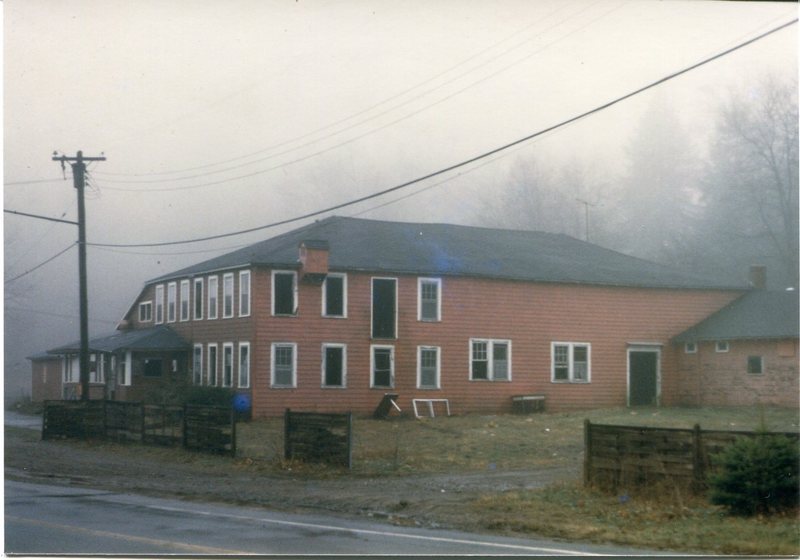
(11,418)
(42,519)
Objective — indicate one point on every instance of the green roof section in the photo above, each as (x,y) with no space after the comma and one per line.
(155,339)
(759,314)
(453,250)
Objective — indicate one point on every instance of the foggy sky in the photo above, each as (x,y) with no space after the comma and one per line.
(319,103)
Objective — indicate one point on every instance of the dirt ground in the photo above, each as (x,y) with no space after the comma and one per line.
(431,500)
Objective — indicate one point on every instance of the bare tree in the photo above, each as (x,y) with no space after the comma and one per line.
(751,186)
(655,205)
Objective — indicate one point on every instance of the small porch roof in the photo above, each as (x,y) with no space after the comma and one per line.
(160,339)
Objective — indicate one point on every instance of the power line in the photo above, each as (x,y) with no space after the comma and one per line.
(467,161)
(363,111)
(40,265)
(51,314)
(37,216)
(344,142)
(31,182)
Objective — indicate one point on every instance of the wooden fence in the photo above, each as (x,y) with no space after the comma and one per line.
(317,437)
(199,427)
(634,456)
(210,428)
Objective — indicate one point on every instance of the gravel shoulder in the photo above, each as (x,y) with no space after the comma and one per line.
(432,500)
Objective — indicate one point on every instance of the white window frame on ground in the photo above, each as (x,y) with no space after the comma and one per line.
(244,365)
(227,295)
(690,348)
(274,301)
(570,363)
(172,302)
(197,364)
(343,348)
(185,300)
(276,346)
(159,304)
(722,346)
(145,311)
(760,359)
(437,366)
(213,297)
(491,361)
(244,293)
(197,300)
(227,364)
(421,283)
(343,277)
(372,349)
(213,365)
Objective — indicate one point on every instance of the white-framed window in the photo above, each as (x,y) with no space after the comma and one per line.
(125,370)
(690,348)
(334,295)
(284,292)
(244,293)
(571,362)
(70,369)
(381,366)
(227,364)
(184,300)
(284,365)
(244,365)
(213,364)
(722,346)
(197,365)
(227,295)
(213,296)
(429,299)
(334,365)
(145,311)
(159,304)
(172,289)
(96,368)
(428,365)
(755,365)
(198,299)
(490,360)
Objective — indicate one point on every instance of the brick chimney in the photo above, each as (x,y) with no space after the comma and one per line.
(313,261)
(758,276)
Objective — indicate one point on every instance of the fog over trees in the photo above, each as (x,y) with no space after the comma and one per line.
(715,208)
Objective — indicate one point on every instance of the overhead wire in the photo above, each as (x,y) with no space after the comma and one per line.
(371,107)
(40,265)
(466,162)
(362,135)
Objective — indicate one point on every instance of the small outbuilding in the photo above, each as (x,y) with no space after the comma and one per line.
(744,354)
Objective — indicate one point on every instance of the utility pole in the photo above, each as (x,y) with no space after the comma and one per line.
(586,221)
(79,181)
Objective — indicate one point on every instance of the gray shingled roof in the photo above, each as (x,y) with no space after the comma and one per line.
(756,315)
(444,249)
(161,338)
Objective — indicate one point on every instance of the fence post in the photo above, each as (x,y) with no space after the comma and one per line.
(698,465)
(587,452)
(286,444)
(183,424)
(350,440)
(233,432)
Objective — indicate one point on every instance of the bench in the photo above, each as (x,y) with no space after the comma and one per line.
(525,404)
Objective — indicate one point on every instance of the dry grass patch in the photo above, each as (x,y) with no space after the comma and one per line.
(473,443)
(648,520)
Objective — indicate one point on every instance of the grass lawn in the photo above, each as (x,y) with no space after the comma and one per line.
(660,518)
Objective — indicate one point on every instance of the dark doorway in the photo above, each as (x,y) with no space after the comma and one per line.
(643,377)
(384,306)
